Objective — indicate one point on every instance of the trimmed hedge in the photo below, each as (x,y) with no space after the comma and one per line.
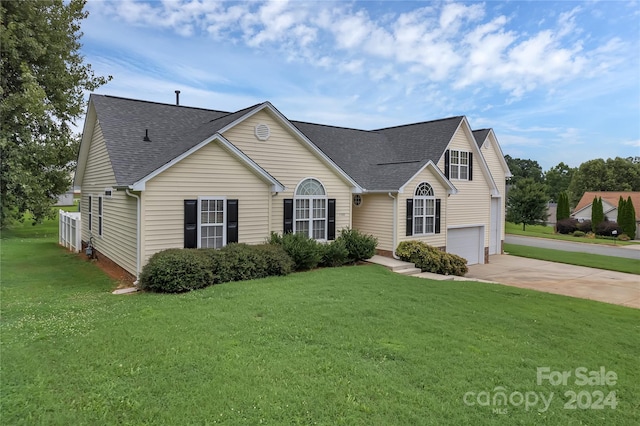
(606,229)
(176,271)
(432,259)
(584,226)
(567,226)
(180,270)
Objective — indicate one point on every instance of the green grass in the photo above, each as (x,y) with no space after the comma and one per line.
(351,345)
(610,263)
(541,231)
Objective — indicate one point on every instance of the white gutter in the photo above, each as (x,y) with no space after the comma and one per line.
(395,225)
(137,197)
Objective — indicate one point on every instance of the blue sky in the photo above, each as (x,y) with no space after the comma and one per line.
(557,81)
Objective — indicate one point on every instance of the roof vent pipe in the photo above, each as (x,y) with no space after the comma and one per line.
(146,136)
(177,97)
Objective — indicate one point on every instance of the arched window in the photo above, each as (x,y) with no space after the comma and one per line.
(424,209)
(311,209)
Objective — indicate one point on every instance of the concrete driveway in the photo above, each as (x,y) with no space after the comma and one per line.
(575,281)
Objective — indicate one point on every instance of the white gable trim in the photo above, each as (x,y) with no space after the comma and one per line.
(85,145)
(276,186)
(503,162)
(306,141)
(476,150)
(439,175)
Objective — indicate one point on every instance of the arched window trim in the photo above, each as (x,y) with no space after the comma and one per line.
(310,211)
(424,209)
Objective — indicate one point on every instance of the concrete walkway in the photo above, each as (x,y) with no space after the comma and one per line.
(570,280)
(407,268)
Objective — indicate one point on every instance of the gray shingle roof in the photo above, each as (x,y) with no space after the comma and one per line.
(383,159)
(378,160)
(481,136)
(124,121)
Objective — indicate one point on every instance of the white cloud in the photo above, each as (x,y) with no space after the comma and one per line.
(452,43)
(635,143)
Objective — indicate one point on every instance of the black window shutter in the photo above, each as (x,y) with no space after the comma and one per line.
(331,219)
(446,164)
(232,221)
(471,166)
(190,223)
(437,225)
(409,216)
(288,216)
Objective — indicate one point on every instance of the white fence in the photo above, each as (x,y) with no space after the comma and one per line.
(70,230)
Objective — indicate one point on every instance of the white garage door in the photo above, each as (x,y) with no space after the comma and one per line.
(467,242)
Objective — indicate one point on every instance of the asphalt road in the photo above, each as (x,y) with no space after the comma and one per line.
(629,253)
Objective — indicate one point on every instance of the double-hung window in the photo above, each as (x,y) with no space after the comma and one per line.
(424,210)
(90,212)
(459,165)
(211,229)
(310,204)
(100,216)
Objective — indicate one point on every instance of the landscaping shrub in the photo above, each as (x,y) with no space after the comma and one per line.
(277,261)
(624,237)
(579,234)
(305,252)
(566,226)
(176,271)
(240,262)
(584,226)
(335,253)
(360,246)
(606,229)
(179,270)
(431,259)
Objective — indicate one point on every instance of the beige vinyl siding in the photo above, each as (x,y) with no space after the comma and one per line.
(118,241)
(209,172)
(375,216)
(287,159)
(472,204)
(440,192)
(492,156)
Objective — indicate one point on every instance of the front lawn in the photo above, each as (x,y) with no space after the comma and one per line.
(350,345)
(610,263)
(542,231)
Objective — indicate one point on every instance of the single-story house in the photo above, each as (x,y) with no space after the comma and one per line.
(609,205)
(156,176)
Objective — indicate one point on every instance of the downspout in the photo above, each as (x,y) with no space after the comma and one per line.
(137,197)
(395,225)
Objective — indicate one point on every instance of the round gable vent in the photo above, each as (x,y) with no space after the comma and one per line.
(263,132)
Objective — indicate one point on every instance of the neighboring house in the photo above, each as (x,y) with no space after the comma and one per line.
(552,213)
(65,199)
(609,205)
(156,176)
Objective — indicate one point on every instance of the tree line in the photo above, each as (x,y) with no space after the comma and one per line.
(530,189)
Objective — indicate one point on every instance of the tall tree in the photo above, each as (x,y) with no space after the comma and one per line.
(562,209)
(619,174)
(43,79)
(527,203)
(523,169)
(597,213)
(558,179)
(628,223)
